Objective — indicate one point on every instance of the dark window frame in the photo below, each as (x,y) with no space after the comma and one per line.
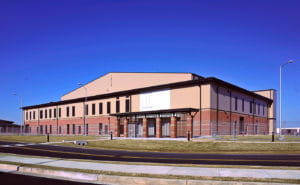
(93,109)
(73,111)
(101,108)
(117,106)
(67,111)
(108,107)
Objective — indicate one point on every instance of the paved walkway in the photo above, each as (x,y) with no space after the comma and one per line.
(161,170)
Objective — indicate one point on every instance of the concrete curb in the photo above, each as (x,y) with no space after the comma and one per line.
(117,180)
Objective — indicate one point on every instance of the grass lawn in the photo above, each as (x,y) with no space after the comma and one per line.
(205,146)
(43,138)
(194,147)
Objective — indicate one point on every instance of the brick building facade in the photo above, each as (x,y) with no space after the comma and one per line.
(155,105)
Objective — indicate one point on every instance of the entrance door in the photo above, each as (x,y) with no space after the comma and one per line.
(151,127)
(242,125)
(139,128)
(131,130)
(165,127)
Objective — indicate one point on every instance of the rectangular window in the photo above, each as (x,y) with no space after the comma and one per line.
(50,129)
(258,107)
(127,105)
(46,115)
(79,129)
(108,107)
(26,115)
(93,109)
(254,108)
(59,130)
(73,129)
(46,129)
(235,104)
(263,108)
(67,111)
(73,111)
(59,112)
(106,129)
(33,114)
(250,106)
(100,128)
(243,105)
(41,129)
(87,129)
(50,113)
(30,115)
(54,113)
(100,108)
(117,106)
(41,114)
(68,129)
(86,109)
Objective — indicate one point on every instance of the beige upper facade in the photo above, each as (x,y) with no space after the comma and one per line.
(114,82)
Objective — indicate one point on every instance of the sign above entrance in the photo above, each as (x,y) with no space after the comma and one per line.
(157,100)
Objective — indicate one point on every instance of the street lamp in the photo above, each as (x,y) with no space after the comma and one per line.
(21,102)
(280,97)
(84,109)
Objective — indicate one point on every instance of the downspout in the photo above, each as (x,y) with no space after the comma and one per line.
(200,111)
(56,119)
(230,127)
(217,130)
(38,115)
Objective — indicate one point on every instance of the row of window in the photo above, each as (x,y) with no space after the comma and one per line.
(51,113)
(253,107)
(47,129)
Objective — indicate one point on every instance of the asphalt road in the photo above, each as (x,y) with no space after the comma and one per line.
(130,156)
(17,179)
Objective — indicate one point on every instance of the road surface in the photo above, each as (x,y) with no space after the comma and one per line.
(154,157)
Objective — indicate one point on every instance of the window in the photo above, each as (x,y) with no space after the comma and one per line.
(87,129)
(254,108)
(243,105)
(79,129)
(251,106)
(50,129)
(263,108)
(235,104)
(41,114)
(54,113)
(258,107)
(46,113)
(67,111)
(68,129)
(108,107)
(117,106)
(86,109)
(73,111)
(106,129)
(33,114)
(26,115)
(100,128)
(93,109)
(127,105)
(59,130)
(73,129)
(50,113)
(59,112)
(100,108)
(41,129)
(30,115)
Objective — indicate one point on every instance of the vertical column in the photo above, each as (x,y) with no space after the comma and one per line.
(145,127)
(173,127)
(189,124)
(126,127)
(117,130)
(158,127)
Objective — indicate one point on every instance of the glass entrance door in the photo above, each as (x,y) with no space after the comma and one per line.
(165,127)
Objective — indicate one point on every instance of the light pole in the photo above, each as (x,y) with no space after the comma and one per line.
(21,104)
(280,95)
(84,109)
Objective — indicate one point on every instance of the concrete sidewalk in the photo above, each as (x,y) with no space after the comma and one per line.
(157,170)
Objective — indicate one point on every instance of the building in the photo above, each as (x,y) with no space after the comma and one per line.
(8,127)
(289,131)
(156,105)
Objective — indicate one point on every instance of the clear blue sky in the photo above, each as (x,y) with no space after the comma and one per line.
(47,47)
